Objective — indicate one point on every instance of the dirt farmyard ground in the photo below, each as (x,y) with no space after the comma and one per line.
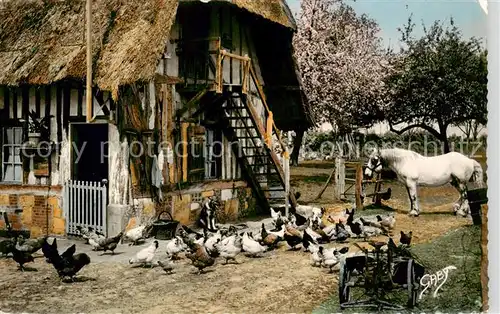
(281,281)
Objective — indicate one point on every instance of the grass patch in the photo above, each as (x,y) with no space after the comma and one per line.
(309,179)
(461,292)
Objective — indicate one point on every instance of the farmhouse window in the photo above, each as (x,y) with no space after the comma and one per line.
(196,153)
(12,140)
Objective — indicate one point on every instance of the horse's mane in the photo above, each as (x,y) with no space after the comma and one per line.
(394,154)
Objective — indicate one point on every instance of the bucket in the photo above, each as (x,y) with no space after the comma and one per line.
(164,229)
(477,198)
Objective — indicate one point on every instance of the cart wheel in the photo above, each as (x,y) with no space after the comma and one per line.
(412,284)
(344,289)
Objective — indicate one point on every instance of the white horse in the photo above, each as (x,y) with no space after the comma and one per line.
(415,170)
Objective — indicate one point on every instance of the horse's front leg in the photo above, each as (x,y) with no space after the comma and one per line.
(411,188)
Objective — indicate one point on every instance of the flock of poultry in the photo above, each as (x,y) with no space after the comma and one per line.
(302,229)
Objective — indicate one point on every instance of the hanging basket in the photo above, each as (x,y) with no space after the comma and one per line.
(164,229)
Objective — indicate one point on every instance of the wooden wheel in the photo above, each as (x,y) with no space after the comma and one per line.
(412,284)
(344,288)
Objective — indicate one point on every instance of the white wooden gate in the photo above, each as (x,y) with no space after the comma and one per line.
(85,205)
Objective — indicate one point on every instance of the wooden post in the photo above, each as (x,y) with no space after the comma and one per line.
(286,165)
(89,61)
(359,183)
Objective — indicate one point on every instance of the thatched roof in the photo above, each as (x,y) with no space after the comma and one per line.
(273,10)
(43,41)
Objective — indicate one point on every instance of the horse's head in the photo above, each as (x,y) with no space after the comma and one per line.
(374,163)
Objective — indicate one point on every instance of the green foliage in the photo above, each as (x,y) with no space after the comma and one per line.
(439,78)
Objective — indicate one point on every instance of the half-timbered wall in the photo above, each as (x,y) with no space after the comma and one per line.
(65,102)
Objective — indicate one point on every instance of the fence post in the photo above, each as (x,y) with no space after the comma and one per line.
(104,208)
(286,162)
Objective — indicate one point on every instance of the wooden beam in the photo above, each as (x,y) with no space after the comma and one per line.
(234,56)
(184,137)
(89,61)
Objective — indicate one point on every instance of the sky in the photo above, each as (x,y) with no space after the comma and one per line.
(391,14)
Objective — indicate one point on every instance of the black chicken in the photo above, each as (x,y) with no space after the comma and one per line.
(21,258)
(386,195)
(6,246)
(30,245)
(68,264)
(307,240)
(406,238)
(355,228)
(300,220)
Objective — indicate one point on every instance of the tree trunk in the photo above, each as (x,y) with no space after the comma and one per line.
(444,138)
(297,143)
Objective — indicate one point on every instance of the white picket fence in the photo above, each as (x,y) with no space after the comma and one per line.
(85,205)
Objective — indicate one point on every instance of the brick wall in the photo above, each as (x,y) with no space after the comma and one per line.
(32,209)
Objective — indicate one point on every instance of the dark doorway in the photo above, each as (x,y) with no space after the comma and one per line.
(89,152)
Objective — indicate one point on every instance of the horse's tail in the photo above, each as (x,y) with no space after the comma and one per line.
(477,175)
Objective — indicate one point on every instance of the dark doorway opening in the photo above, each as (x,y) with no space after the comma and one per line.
(89,152)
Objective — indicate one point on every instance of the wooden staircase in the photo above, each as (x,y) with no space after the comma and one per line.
(260,163)
(250,134)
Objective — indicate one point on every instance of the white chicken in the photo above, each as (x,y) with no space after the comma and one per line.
(229,248)
(135,234)
(316,257)
(174,247)
(146,255)
(252,247)
(209,244)
(328,258)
